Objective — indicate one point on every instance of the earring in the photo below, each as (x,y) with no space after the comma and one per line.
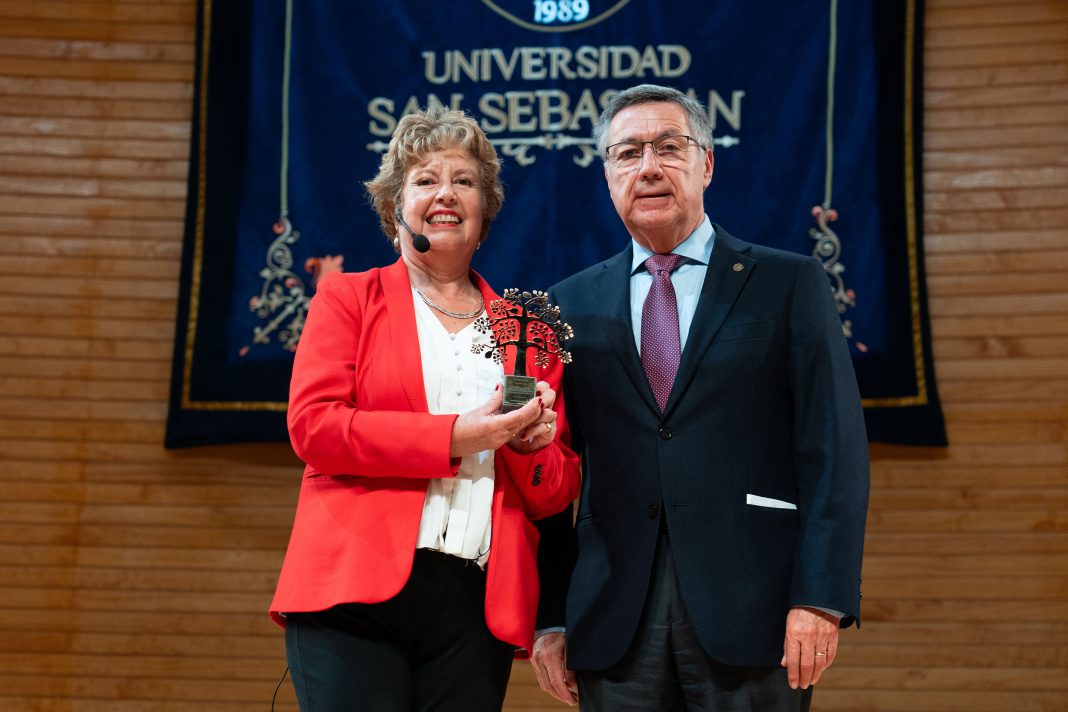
(478,245)
(396,243)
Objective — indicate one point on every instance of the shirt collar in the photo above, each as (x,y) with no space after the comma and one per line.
(697,247)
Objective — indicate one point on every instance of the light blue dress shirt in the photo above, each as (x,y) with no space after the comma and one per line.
(687,279)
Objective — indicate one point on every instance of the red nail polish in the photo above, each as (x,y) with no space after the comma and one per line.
(497,387)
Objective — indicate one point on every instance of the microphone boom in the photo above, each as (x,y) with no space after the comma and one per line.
(420,242)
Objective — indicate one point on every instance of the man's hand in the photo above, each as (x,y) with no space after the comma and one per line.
(810,646)
(549,659)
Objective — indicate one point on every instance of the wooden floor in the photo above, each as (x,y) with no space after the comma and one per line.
(134,579)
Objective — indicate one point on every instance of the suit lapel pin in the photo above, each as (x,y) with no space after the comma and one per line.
(737,267)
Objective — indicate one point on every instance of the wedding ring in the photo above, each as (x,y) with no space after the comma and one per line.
(821,655)
(548,427)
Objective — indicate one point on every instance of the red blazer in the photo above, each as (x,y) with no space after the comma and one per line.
(358,418)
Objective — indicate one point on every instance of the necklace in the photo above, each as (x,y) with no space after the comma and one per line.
(455,315)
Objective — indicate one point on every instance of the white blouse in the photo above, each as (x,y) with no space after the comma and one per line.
(457,510)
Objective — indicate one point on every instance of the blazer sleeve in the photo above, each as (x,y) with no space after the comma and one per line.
(327,427)
(547,480)
(558,546)
(830,452)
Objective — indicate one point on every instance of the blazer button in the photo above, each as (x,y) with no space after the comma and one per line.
(653,509)
(665,433)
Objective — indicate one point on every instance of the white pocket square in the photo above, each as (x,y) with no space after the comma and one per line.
(758,501)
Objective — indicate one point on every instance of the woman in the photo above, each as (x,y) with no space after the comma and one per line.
(410,579)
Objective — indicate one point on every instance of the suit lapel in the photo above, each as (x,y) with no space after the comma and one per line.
(612,289)
(404,336)
(728,271)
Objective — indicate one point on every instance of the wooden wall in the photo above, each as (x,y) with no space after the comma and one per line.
(132,578)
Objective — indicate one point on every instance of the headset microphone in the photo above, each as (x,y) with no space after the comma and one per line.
(420,242)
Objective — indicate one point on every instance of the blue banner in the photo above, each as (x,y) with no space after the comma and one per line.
(816,116)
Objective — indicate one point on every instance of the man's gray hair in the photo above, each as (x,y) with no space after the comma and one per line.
(700,126)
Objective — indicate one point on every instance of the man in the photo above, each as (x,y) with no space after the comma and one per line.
(719,534)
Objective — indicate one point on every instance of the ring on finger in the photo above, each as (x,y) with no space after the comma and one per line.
(548,427)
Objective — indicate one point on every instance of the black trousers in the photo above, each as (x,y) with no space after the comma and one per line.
(666,669)
(428,648)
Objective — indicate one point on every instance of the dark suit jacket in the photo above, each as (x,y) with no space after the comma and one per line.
(764,411)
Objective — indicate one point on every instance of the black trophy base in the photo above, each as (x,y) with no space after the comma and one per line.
(518,390)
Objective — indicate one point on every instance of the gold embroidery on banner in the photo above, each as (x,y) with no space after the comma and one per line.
(198,246)
(910,219)
(198,228)
(921,397)
(828,245)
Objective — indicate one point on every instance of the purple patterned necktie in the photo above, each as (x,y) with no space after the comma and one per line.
(660,327)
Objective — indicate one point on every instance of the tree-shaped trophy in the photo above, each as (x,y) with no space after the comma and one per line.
(523,320)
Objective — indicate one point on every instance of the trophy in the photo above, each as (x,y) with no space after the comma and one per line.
(524,320)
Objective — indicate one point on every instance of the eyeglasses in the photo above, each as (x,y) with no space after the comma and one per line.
(668,149)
